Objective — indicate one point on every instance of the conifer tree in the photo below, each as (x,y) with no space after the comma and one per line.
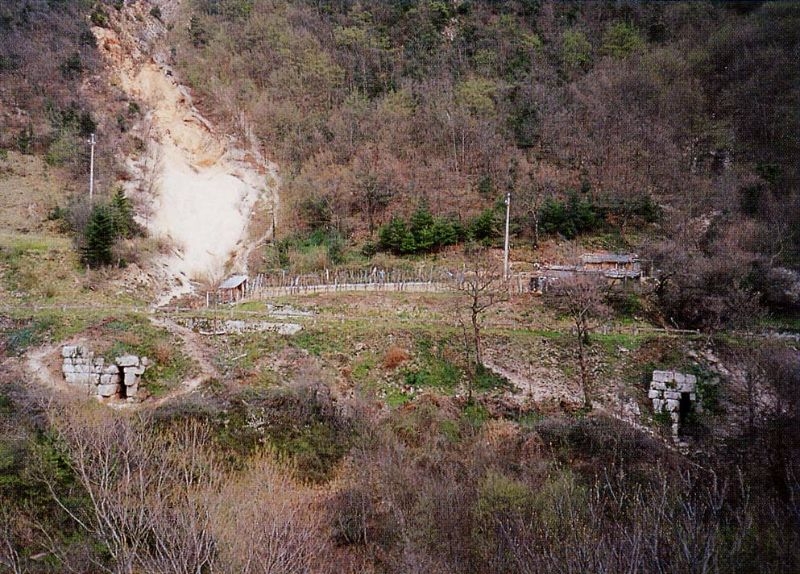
(99,237)
(122,215)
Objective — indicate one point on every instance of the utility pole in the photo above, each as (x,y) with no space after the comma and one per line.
(505,250)
(92,142)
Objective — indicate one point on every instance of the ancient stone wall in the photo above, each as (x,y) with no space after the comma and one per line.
(120,379)
(667,388)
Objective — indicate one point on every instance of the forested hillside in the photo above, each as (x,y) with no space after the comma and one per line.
(52,88)
(372,107)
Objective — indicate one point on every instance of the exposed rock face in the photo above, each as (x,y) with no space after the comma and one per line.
(120,379)
(669,390)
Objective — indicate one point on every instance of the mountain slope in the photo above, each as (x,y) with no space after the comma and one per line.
(200,185)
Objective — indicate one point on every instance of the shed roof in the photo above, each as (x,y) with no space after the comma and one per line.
(233,281)
(609,258)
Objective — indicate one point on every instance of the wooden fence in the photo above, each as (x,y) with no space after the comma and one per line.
(428,279)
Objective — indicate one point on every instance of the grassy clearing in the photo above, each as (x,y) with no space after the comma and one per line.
(612,342)
(23,329)
(782,322)
(46,270)
(37,266)
(242,356)
(135,334)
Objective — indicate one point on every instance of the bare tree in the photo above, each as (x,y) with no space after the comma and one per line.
(581,298)
(265,523)
(481,287)
(147,489)
(10,559)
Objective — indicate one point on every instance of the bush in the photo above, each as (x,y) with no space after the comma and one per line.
(621,39)
(394,357)
(301,423)
(99,17)
(24,140)
(320,249)
(72,67)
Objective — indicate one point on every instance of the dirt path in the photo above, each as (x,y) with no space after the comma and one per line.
(36,365)
(194,347)
(200,185)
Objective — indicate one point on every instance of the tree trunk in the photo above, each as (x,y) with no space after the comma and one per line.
(477,330)
(587,403)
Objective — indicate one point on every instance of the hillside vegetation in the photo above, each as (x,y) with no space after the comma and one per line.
(669,127)
(452,424)
(372,107)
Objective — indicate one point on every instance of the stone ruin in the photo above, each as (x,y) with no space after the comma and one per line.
(120,379)
(673,393)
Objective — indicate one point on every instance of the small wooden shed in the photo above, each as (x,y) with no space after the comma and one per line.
(612,265)
(232,289)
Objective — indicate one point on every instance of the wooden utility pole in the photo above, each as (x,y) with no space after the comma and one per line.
(92,143)
(505,249)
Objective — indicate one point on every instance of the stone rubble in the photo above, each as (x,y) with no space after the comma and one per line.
(120,379)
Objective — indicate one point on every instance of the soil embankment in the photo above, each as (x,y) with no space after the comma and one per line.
(199,186)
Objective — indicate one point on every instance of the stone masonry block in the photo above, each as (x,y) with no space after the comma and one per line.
(658,404)
(661,376)
(127,361)
(658,386)
(82,379)
(654,394)
(107,390)
(672,405)
(111,370)
(675,395)
(68,351)
(131,379)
